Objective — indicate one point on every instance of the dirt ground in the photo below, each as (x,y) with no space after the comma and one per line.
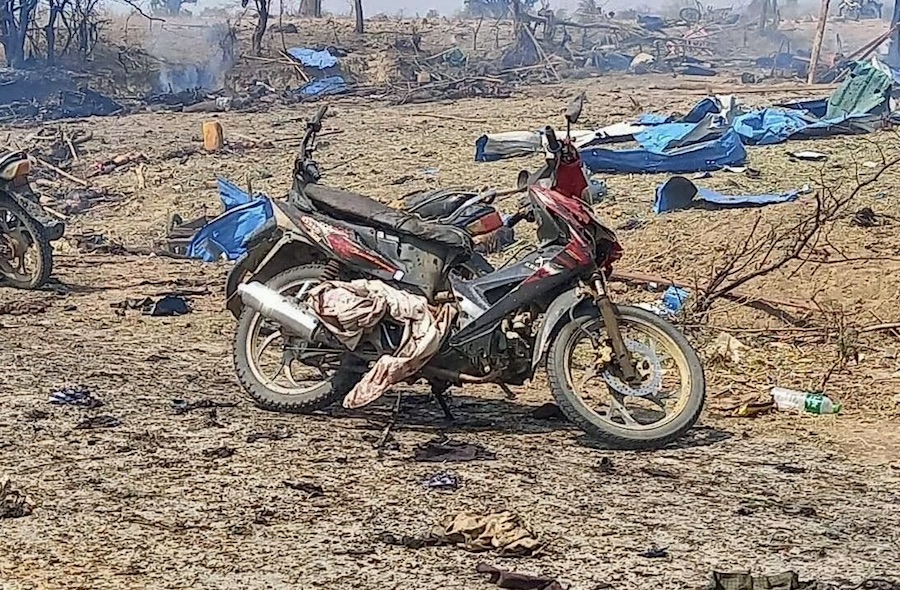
(142,505)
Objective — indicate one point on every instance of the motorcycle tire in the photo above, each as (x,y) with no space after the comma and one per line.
(592,423)
(45,250)
(690,15)
(317,397)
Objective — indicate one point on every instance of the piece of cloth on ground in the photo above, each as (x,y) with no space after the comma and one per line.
(680,193)
(442,449)
(351,310)
(504,532)
(515,581)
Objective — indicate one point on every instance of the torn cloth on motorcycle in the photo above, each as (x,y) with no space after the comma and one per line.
(352,310)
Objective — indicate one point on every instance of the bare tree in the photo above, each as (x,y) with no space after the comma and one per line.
(358,12)
(787,245)
(262,22)
(15,19)
(55,10)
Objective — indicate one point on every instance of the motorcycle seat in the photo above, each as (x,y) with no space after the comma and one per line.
(351,206)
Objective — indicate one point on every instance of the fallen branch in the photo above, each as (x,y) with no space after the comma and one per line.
(63,173)
(880,327)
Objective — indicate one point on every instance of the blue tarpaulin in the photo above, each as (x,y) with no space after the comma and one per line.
(228,233)
(324,86)
(769,126)
(680,193)
(311,58)
(715,154)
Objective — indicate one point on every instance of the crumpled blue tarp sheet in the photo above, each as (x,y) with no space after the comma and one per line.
(680,193)
(324,87)
(771,126)
(715,154)
(312,58)
(228,233)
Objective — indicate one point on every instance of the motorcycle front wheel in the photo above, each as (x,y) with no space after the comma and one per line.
(26,256)
(267,362)
(659,408)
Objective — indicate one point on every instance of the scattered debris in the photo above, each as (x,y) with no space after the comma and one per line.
(35,415)
(866,217)
(504,532)
(548,411)
(809,156)
(13,503)
(268,435)
(754,408)
(726,348)
(744,581)
(169,305)
(312,490)
(408,541)
(84,199)
(605,466)
(263,516)
(182,406)
(23,307)
(119,162)
(516,581)
(102,421)
(442,481)
(787,468)
(442,449)
(655,553)
(222,452)
(75,396)
(657,472)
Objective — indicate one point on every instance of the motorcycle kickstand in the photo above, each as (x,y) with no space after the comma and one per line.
(390,425)
(437,390)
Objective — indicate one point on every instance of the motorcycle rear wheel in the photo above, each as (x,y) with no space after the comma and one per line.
(613,427)
(17,228)
(265,392)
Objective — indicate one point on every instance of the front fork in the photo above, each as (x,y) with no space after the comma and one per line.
(608,313)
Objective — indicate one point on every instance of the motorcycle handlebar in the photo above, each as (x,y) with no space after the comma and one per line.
(320,114)
(552,142)
(313,126)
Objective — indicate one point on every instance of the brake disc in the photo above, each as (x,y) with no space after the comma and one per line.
(646,365)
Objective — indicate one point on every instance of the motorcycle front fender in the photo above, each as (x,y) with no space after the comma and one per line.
(566,303)
(53,228)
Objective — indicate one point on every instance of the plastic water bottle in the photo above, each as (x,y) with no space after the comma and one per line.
(814,403)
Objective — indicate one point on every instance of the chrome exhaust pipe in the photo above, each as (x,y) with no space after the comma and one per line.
(289,313)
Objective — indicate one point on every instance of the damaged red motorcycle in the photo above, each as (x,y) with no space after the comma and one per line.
(343,297)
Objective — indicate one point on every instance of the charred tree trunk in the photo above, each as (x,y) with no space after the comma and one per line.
(56,9)
(358,12)
(262,22)
(15,18)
